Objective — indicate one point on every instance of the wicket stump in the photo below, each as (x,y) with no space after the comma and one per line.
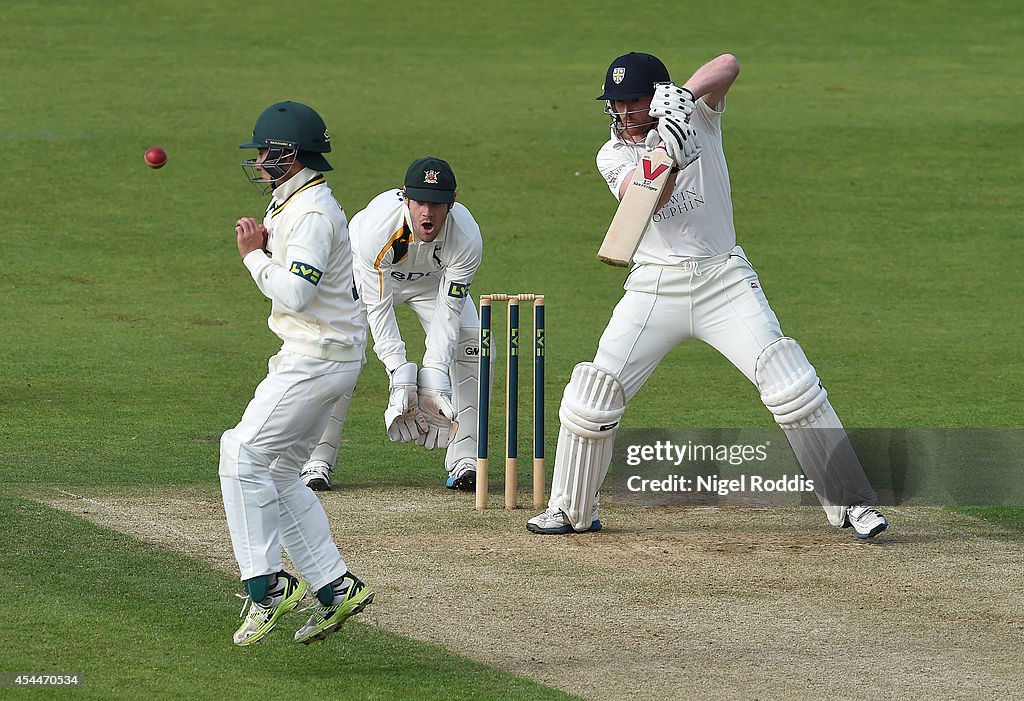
(511,399)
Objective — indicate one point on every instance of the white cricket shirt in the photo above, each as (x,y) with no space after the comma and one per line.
(696,222)
(390,262)
(308,273)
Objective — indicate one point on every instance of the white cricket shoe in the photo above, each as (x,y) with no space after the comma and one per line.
(554,522)
(316,474)
(462,476)
(866,521)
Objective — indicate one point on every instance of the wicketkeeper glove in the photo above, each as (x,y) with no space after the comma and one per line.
(670,100)
(435,396)
(402,417)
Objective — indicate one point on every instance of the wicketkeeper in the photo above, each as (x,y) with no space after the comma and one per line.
(418,246)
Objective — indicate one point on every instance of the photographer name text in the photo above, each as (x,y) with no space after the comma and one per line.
(713,484)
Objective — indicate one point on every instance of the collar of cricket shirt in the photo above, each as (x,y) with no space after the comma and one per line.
(303,180)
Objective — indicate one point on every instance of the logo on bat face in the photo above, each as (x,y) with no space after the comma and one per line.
(618,73)
(650,172)
(430,176)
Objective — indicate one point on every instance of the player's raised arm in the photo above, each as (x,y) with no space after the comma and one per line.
(712,81)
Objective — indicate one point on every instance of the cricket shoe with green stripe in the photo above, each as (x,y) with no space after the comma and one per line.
(283,596)
(351,596)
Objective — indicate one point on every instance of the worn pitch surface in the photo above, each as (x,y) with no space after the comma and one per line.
(664,603)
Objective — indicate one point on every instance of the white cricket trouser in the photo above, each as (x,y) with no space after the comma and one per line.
(266,503)
(717,300)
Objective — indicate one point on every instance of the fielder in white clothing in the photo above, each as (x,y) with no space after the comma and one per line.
(418,246)
(300,258)
(690,280)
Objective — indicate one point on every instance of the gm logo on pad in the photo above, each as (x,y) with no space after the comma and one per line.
(458,289)
(306,272)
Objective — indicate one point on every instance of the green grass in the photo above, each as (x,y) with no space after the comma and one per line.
(873,147)
(139,621)
(1009,517)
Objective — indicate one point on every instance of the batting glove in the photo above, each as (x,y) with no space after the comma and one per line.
(435,393)
(678,139)
(402,417)
(672,101)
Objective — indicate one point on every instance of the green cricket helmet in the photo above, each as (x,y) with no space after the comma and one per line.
(290,130)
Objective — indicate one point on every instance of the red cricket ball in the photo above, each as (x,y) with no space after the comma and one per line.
(156,157)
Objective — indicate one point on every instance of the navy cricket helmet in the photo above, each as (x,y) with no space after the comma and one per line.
(633,75)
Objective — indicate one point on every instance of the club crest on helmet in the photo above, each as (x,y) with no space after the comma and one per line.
(430,176)
(618,74)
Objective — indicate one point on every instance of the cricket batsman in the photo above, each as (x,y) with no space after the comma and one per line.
(690,280)
(418,246)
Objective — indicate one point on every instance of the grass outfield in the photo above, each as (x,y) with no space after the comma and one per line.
(874,151)
(138,620)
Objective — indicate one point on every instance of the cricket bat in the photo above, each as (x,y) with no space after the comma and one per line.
(636,209)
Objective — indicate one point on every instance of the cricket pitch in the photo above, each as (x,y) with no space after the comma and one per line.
(725,603)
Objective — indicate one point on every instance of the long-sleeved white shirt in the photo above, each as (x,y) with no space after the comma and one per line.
(391,261)
(308,272)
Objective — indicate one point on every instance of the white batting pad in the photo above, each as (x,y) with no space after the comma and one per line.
(465,374)
(791,390)
(787,381)
(592,406)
